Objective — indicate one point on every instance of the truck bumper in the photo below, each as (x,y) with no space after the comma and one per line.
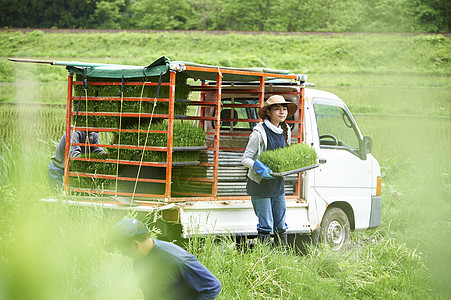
(235,218)
(376,212)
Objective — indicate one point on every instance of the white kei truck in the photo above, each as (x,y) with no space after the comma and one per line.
(207,196)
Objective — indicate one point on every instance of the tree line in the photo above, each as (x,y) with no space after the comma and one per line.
(241,15)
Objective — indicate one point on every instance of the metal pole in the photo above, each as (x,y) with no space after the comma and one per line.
(261,99)
(300,134)
(167,193)
(217,133)
(301,114)
(203,97)
(68,130)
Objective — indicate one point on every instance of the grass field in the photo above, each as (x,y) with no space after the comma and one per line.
(401,100)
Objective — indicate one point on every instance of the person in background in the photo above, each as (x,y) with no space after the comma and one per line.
(56,167)
(163,270)
(268,192)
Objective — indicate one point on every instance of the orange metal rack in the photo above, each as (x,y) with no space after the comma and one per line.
(218,89)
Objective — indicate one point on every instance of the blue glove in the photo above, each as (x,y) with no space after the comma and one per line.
(264,171)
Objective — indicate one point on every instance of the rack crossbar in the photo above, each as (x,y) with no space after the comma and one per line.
(113,177)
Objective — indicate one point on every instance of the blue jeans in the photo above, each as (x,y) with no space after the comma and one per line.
(270,213)
(55,176)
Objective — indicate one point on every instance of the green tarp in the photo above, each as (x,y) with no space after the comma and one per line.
(159,66)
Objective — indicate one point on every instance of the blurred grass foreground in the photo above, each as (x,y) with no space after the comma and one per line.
(57,251)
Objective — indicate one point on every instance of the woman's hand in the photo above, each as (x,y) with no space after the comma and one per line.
(264,171)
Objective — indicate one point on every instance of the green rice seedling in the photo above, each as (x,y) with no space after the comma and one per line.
(87,182)
(81,166)
(104,168)
(183,185)
(185,156)
(181,92)
(153,156)
(135,155)
(187,135)
(93,167)
(50,126)
(97,121)
(6,162)
(184,135)
(289,158)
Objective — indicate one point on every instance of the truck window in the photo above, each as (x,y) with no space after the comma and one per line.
(237,114)
(242,113)
(335,128)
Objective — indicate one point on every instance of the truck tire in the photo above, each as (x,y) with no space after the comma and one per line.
(335,229)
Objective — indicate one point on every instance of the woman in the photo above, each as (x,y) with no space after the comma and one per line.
(268,192)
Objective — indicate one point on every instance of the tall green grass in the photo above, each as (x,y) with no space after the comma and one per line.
(42,252)
(44,256)
(358,53)
(375,267)
(41,122)
(55,251)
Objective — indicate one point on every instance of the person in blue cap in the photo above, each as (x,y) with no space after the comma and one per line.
(163,270)
(56,167)
(268,192)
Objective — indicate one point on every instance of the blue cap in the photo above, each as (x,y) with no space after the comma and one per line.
(127,229)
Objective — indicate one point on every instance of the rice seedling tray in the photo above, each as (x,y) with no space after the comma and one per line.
(286,173)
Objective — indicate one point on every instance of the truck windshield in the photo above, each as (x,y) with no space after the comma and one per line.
(335,127)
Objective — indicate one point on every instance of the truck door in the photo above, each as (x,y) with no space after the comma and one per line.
(345,174)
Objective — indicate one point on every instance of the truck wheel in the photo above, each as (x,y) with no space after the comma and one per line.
(335,229)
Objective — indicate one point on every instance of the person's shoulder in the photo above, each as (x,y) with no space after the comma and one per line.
(258,128)
(171,249)
(162,244)
(77,133)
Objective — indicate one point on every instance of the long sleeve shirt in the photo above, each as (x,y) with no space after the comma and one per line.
(269,187)
(170,272)
(76,151)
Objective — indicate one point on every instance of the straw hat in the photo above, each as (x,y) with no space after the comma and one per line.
(277,99)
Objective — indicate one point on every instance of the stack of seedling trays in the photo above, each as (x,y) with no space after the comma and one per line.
(188,140)
(106,92)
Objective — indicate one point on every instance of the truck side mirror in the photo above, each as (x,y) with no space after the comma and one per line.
(365,146)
